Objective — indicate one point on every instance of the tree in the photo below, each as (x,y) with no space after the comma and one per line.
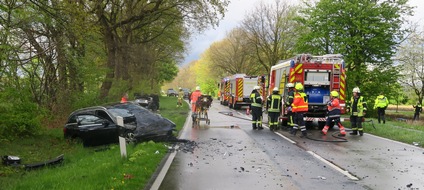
(272,31)
(121,21)
(232,55)
(411,59)
(365,32)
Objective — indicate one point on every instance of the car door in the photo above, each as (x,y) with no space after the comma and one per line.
(95,130)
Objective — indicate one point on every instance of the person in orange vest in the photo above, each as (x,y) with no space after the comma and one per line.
(299,107)
(334,114)
(193,99)
(124,98)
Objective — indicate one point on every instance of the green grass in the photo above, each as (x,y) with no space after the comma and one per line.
(86,168)
(407,132)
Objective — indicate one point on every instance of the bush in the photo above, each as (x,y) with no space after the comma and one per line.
(18,115)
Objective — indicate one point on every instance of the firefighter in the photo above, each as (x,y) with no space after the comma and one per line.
(299,107)
(193,98)
(357,109)
(180,97)
(288,102)
(381,103)
(256,108)
(418,110)
(274,108)
(334,114)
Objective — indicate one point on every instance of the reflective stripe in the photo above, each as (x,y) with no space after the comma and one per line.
(299,98)
(275,103)
(253,98)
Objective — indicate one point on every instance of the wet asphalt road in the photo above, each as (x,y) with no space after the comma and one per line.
(241,158)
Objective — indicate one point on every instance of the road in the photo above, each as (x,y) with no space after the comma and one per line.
(230,155)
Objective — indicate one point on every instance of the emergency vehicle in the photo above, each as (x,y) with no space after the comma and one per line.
(235,90)
(319,75)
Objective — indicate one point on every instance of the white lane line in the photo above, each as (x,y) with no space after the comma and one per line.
(158,181)
(344,172)
(284,137)
(164,170)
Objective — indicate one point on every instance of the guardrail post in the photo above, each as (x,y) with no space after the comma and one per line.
(122,142)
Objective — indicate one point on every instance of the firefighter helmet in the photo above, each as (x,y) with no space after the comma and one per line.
(356,89)
(275,89)
(256,88)
(298,86)
(290,85)
(197,87)
(334,93)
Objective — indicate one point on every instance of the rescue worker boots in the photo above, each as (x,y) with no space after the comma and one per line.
(361,133)
(325,130)
(260,127)
(354,132)
(342,130)
(254,126)
(304,134)
(293,131)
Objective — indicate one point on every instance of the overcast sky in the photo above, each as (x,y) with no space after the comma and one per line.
(236,11)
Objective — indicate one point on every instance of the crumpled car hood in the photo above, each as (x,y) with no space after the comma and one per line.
(148,123)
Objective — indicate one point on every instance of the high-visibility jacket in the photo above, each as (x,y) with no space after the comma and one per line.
(334,108)
(255,99)
(194,96)
(180,94)
(381,102)
(357,106)
(274,103)
(290,97)
(300,102)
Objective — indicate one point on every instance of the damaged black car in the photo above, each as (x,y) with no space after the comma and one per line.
(99,125)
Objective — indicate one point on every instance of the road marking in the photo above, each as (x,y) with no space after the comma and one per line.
(284,137)
(164,170)
(344,172)
(158,181)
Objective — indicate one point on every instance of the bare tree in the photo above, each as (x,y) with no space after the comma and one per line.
(232,55)
(272,31)
(411,57)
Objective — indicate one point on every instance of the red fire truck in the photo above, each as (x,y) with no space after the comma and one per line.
(235,90)
(319,74)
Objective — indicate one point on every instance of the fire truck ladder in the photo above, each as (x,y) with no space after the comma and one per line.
(335,77)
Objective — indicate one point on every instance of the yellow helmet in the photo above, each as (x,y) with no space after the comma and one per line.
(298,86)
(334,93)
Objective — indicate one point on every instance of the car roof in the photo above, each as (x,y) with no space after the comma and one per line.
(91,109)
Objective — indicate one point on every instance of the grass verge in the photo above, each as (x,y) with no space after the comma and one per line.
(407,131)
(86,168)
